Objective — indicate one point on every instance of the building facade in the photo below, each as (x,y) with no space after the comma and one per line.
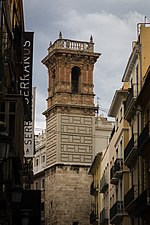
(95,171)
(103,129)
(124,166)
(136,199)
(70,125)
(39,166)
(12,108)
(118,172)
(121,171)
(16,204)
(112,173)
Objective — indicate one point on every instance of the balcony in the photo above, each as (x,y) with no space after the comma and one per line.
(130,152)
(129,105)
(113,180)
(103,184)
(144,141)
(116,212)
(143,205)
(116,171)
(73,45)
(129,199)
(93,188)
(143,96)
(93,218)
(104,217)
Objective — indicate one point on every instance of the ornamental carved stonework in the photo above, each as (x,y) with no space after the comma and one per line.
(70,122)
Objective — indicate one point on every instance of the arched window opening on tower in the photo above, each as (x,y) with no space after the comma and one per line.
(75,74)
(53,73)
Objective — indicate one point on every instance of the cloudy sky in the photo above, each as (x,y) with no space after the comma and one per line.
(113,25)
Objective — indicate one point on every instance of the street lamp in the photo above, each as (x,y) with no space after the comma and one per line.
(16,194)
(25,215)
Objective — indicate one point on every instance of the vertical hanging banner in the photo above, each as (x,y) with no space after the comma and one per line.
(25,87)
(25,82)
(29,130)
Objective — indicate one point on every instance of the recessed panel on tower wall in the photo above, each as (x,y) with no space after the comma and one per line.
(51,153)
(76,138)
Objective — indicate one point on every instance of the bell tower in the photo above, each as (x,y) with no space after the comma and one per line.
(70,125)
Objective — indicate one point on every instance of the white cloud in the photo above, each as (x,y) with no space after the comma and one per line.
(113,25)
(112,37)
(40,107)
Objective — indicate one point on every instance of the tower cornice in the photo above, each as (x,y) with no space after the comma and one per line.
(65,108)
(71,50)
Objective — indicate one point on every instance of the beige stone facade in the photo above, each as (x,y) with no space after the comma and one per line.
(39,166)
(125,179)
(103,128)
(137,108)
(96,199)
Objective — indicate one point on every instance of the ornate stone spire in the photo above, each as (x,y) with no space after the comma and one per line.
(50,44)
(60,35)
(91,39)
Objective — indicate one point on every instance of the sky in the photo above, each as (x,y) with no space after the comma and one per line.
(113,25)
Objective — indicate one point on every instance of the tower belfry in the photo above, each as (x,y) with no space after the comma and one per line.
(70,124)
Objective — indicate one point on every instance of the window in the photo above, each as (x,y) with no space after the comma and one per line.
(121,114)
(8,116)
(121,191)
(53,73)
(43,184)
(75,223)
(117,153)
(121,148)
(75,74)
(12,107)
(147,115)
(116,123)
(137,83)
(117,194)
(36,185)
(36,162)
(43,158)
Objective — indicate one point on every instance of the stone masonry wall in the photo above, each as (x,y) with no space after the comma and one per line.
(67,195)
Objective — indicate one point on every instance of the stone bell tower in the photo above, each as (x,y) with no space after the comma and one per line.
(70,124)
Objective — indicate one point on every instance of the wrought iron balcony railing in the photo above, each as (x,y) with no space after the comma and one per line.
(116,212)
(113,179)
(93,188)
(116,171)
(129,199)
(93,217)
(130,152)
(143,204)
(103,184)
(129,104)
(104,217)
(144,140)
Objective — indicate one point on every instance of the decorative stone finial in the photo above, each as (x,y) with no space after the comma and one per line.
(60,35)
(91,39)
(50,44)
